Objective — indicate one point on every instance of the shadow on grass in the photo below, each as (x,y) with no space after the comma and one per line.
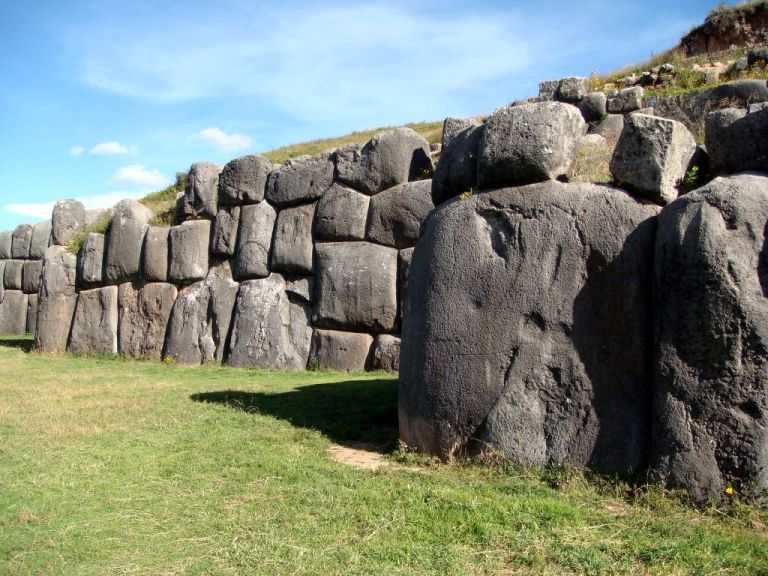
(351,412)
(23,343)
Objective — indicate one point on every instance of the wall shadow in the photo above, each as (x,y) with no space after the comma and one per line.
(25,344)
(350,412)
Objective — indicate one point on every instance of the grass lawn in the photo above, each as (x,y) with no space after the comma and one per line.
(122,467)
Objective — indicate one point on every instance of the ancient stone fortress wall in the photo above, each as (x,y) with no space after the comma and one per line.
(291,266)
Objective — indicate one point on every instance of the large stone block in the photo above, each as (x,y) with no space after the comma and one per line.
(254,241)
(341,215)
(202,191)
(243,181)
(90,260)
(13,313)
(32,300)
(452,127)
(144,312)
(6,244)
(736,140)
(41,239)
(292,246)
(199,325)
(14,274)
(155,257)
(593,107)
(388,159)
(124,241)
(528,331)
(386,353)
(30,278)
(188,251)
(404,259)
(94,327)
(57,299)
(652,156)
(268,330)
(224,243)
(711,314)
(67,220)
(456,171)
(2,279)
(528,143)
(355,287)
(20,242)
(300,180)
(332,350)
(626,101)
(395,215)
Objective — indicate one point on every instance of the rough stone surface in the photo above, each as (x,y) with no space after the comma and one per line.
(94,328)
(30,281)
(292,246)
(199,324)
(68,218)
(332,350)
(93,217)
(188,251)
(736,140)
(41,239)
(155,257)
(202,191)
(511,342)
(6,243)
(13,313)
(593,107)
(20,241)
(528,143)
(124,241)
(57,299)
(386,353)
(300,180)
(2,280)
(268,330)
(90,260)
(32,313)
(14,273)
(452,127)
(299,289)
(341,215)
(711,314)
(388,159)
(652,156)
(144,312)
(355,287)
(611,127)
(254,241)
(572,89)
(224,241)
(243,181)
(626,101)
(395,215)
(404,259)
(456,171)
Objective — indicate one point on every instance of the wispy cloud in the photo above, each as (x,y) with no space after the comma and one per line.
(76,151)
(138,175)
(43,210)
(109,149)
(223,141)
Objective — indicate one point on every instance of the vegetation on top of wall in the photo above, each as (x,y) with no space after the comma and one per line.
(99,227)
(163,202)
(723,16)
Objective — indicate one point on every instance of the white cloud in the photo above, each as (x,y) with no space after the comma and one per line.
(137,175)
(109,149)
(43,210)
(223,141)
(76,151)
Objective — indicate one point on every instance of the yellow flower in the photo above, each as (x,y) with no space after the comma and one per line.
(729,490)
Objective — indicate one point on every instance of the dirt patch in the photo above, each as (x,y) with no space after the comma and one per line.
(365,456)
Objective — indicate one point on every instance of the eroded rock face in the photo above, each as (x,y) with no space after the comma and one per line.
(188,251)
(57,299)
(124,241)
(14,273)
(389,159)
(736,140)
(254,241)
(20,241)
(511,341)
(202,191)
(144,311)
(94,328)
(626,101)
(268,330)
(242,181)
(593,107)
(30,281)
(711,381)
(386,353)
(155,258)
(355,287)
(395,215)
(13,313)
(292,245)
(528,143)
(456,171)
(341,215)
(90,260)
(300,180)
(68,218)
(332,350)
(32,300)
(6,242)
(224,241)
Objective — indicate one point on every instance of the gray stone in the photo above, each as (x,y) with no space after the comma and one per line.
(529,331)
(6,244)
(243,181)
(94,327)
(188,251)
(711,314)
(20,242)
(14,272)
(456,171)
(98,216)
(68,219)
(299,289)
(404,259)
(2,280)
(355,287)
(627,100)
(30,281)
(652,156)
(292,246)
(395,215)
(736,140)
(593,107)
(332,350)
(610,128)
(300,180)
(528,143)
(155,256)
(268,330)
(41,239)
(452,127)
(32,313)
(144,312)
(57,300)
(224,241)
(388,159)
(572,89)
(13,313)
(199,325)
(201,193)
(548,90)
(90,260)
(254,241)
(386,353)
(124,241)
(341,215)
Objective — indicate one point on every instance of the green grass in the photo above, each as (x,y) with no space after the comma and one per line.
(112,466)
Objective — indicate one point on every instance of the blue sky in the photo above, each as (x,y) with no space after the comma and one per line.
(103,100)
